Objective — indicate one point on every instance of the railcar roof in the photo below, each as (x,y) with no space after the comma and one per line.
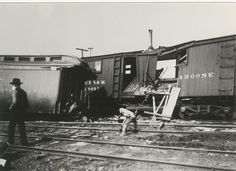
(163,50)
(171,49)
(55,63)
(59,63)
(114,54)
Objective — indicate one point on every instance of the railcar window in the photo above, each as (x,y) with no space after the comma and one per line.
(127,69)
(55,58)
(9,59)
(39,59)
(24,59)
(127,66)
(169,67)
(183,57)
(98,66)
(128,72)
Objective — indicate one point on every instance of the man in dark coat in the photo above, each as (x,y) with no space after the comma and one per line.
(18,109)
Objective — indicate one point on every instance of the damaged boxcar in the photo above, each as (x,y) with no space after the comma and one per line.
(204,70)
(49,80)
(121,72)
(118,76)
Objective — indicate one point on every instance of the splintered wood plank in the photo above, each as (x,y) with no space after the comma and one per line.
(168,110)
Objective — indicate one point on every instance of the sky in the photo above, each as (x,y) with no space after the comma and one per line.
(59,28)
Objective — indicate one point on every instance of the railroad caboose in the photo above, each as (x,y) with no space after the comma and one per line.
(205,71)
(48,80)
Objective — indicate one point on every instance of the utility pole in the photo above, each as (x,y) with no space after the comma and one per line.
(151,39)
(90,49)
(82,51)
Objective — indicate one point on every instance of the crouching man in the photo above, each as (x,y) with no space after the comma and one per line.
(129,117)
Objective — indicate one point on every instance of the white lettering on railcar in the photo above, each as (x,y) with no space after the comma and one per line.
(92,88)
(204,75)
(93,85)
(186,76)
(95,82)
(210,74)
(196,76)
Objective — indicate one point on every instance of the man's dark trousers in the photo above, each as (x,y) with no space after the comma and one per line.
(17,117)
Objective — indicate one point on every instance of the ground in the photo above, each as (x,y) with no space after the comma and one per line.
(30,161)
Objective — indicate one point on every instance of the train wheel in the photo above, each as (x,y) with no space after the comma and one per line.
(182,112)
(229,116)
(182,115)
(228,113)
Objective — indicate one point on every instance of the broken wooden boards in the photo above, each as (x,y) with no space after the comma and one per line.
(168,102)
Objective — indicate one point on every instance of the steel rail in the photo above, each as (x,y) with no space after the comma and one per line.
(135,145)
(140,124)
(146,131)
(201,122)
(149,146)
(112,157)
(116,130)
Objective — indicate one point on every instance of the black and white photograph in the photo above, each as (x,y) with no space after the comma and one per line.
(117,86)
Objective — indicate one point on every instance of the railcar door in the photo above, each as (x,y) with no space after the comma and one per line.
(146,67)
(129,71)
(71,84)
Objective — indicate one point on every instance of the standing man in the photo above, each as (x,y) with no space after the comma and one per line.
(18,109)
(129,117)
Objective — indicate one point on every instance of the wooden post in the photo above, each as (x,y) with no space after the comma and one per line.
(167,97)
(146,69)
(234,112)
(234,99)
(162,100)
(154,104)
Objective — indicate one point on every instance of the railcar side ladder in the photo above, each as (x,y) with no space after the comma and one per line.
(227,67)
(116,77)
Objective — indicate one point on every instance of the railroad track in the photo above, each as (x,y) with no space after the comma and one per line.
(117,130)
(143,124)
(144,131)
(139,124)
(95,156)
(132,145)
(112,157)
(219,122)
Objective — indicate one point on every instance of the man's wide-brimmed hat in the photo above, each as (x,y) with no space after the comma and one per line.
(16,81)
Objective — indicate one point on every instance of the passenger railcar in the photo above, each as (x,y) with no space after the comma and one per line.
(204,70)
(47,79)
